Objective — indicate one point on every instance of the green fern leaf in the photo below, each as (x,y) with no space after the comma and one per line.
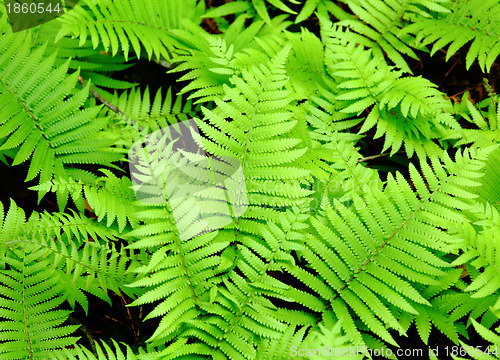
(467,21)
(103,352)
(490,352)
(255,110)
(128,25)
(403,109)
(36,119)
(354,248)
(31,324)
(382,21)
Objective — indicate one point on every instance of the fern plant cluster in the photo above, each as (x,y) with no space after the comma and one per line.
(313,247)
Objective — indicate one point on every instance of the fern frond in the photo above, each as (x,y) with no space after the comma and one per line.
(5,27)
(345,178)
(276,350)
(261,8)
(454,304)
(129,25)
(255,110)
(322,7)
(238,314)
(209,62)
(111,197)
(177,275)
(215,58)
(249,222)
(318,342)
(353,248)
(94,65)
(325,115)
(31,324)
(103,352)
(331,341)
(305,65)
(137,108)
(39,117)
(318,117)
(489,190)
(204,193)
(92,268)
(481,250)
(485,116)
(490,352)
(79,251)
(473,21)
(382,21)
(404,109)
(185,254)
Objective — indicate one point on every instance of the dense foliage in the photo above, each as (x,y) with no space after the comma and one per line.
(368,210)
